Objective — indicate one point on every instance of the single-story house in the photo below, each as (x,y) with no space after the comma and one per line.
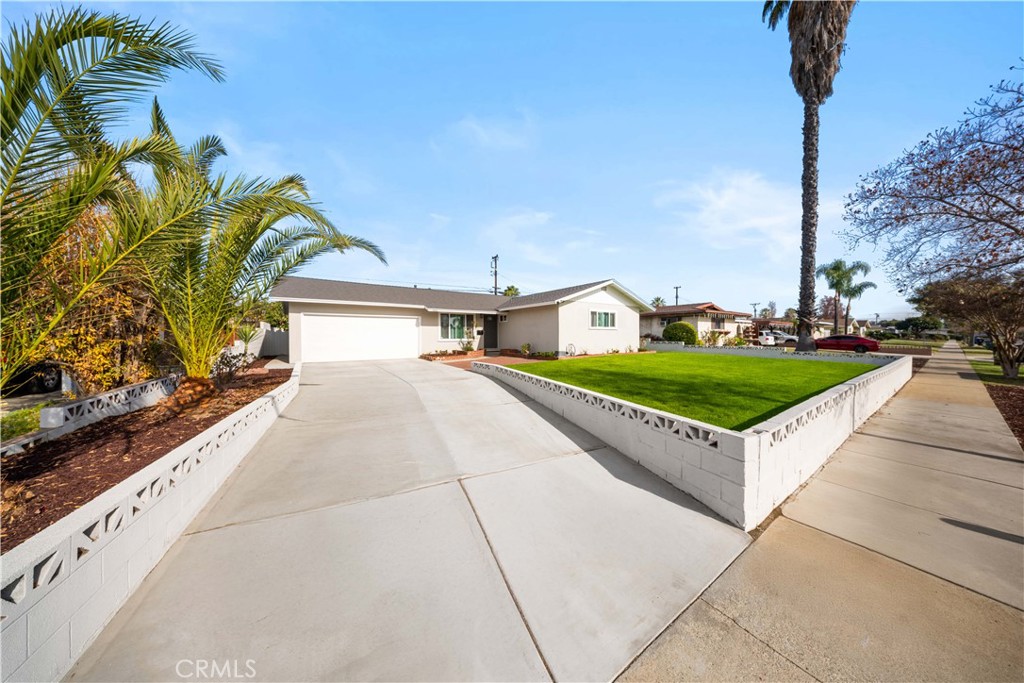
(331,320)
(705,317)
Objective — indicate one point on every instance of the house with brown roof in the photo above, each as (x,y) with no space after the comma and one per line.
(706,317)
(331,320)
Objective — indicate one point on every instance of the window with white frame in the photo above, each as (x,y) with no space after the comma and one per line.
(602,319)
(456,325)
(502,317)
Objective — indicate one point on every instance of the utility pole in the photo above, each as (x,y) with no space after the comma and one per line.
(677,295)
(494,272)
(754,306)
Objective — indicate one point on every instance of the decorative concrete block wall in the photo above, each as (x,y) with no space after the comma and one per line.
(742,476)
(60,420)
(59,588)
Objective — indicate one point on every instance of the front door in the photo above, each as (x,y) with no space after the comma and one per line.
(490,331)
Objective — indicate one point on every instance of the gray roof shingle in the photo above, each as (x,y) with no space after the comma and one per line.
(433,299)
(543,298)
(337,290)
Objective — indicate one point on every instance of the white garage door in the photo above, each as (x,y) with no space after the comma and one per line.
(358,337)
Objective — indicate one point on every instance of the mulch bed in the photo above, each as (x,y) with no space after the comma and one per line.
(45,483)
(1010,401)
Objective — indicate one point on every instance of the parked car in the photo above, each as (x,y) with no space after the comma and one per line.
(41,378)
(766,338)
(846,342)
(783,338)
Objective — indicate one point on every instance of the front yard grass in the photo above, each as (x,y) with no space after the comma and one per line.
(734,392)
(19,422)
(990,373)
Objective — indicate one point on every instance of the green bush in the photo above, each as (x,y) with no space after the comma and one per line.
(681,332)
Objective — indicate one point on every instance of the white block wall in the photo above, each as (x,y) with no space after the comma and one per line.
(742,476)
(59,588)
(59,420)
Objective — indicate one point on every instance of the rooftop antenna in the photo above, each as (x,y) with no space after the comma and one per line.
(754,306)
(677,295)
(494,272)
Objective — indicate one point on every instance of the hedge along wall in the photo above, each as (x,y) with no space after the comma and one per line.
(742,476)
(60,587)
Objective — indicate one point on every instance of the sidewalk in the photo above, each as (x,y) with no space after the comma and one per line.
(902,559)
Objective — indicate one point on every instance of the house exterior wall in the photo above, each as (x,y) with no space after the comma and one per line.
(574,323)
(429,324)
(537,327)
(652,324)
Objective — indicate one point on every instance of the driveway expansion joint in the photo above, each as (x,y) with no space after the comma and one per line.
(756,637)
(508,586)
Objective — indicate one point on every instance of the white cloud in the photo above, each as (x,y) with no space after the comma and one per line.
(740,209)
(496,133)
(514,233)
(251,157)
(349,179)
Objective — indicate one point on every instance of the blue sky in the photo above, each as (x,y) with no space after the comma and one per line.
(656,143)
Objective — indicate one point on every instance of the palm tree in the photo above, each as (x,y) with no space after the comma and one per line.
(234,248)
(511,290)
(856,291)
(657,302)
(66,77)
(817,31)
(839,275)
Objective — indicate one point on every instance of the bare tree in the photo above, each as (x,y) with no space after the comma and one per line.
(954,204)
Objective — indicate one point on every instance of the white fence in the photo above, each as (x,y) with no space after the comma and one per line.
(742,476)
(59,588)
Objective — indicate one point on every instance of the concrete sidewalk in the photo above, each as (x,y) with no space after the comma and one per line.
(902,559)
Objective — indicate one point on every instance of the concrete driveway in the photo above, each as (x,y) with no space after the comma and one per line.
(404,520)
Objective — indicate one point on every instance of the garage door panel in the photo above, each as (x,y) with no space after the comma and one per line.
(328,338)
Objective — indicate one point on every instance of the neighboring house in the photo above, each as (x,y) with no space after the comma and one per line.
(330,320)
(705,317)
(861,327)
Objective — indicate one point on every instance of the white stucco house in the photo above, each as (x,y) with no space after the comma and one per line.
(705,317)
(331,320)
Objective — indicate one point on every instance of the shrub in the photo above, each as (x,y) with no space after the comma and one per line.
(680,332)
(525,349)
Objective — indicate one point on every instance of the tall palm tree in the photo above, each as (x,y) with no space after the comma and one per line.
(856,291)
(817,32)
(511,290)
(839,275)
(66,77)
(235,247)
(657,302)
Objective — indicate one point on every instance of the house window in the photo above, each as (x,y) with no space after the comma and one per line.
(717,323)
(603,319)
(456,325)
(502,317)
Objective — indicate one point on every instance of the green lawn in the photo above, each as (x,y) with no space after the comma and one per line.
(18,422)
(734,392)
(993,374)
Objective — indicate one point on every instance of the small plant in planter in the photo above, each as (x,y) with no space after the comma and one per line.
(525,349)
(468,344)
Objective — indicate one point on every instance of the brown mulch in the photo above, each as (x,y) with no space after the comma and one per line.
(45,483)
(1010,401)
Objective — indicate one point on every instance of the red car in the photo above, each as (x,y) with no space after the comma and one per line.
(847,342)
